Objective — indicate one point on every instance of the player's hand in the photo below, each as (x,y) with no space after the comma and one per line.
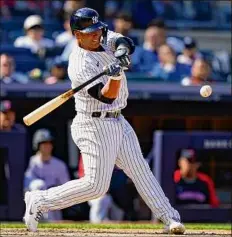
(122,54)
(113,70)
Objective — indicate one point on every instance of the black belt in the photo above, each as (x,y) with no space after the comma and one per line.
(115,114)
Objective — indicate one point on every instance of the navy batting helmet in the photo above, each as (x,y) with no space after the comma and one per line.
(86,20)
(41,135)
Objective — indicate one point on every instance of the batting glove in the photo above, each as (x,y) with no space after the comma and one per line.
(113,70)
(122,55)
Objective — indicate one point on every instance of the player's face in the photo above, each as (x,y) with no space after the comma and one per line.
(89,41)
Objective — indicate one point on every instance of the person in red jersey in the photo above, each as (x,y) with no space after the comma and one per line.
(192,186)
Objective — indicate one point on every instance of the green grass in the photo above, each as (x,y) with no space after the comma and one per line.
(78,225)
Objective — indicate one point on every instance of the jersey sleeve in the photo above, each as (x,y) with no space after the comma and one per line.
(111,39)
(213,199)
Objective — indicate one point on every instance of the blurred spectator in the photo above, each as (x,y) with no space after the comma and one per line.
(34,38)
(200,72)
(44,170)
(8,118)
(58,72)
(123,24)
(8,73)
(192,186)
(161,36)
(189,53)
(63,38)
(4,122)
(168,68)
(145,57)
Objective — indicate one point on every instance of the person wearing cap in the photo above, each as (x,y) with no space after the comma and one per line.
(45,170)
(8,117)
(190,53)
(192,186)
(34,38)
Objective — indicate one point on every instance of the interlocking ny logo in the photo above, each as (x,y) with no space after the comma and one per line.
(95,19)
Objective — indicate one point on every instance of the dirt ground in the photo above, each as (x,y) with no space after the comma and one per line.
(107,233)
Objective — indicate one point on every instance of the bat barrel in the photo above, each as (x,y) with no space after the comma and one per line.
(47,108)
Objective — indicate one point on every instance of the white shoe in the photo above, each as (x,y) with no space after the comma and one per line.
(175,228)
(32,213)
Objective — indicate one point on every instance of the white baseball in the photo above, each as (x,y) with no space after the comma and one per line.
(206,91)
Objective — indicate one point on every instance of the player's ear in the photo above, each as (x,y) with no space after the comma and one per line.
(76,33)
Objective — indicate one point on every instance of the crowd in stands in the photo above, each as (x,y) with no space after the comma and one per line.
(40,51)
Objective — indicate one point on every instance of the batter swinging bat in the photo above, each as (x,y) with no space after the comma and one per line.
(57,101)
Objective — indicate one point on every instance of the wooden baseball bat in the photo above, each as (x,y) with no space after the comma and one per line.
(51,105)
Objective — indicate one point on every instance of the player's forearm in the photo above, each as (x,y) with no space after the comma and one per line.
(111,89)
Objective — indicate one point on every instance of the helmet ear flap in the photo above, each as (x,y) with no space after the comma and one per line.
(104,34)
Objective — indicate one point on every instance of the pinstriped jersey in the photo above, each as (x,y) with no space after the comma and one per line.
(83,65)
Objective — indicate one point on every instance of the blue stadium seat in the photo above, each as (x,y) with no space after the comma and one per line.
(12,35)
(9,25)
(13,51)
(25,60)
(25,64)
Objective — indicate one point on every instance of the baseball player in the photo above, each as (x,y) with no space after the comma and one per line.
(99,129)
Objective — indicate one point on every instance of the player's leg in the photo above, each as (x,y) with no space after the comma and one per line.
(99,150)
(131,160)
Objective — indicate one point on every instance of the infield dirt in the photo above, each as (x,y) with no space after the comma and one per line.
(108,233)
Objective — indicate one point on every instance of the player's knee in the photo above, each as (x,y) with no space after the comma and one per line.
(96,188)
(99,191)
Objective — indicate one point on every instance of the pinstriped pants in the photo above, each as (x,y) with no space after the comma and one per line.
(105,142)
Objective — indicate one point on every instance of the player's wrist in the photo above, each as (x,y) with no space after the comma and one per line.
(116,78)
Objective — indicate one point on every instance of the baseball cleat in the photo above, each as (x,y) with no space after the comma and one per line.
(32,214)
(175,228)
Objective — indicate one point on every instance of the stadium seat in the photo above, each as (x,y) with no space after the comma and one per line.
(26,64)
(13,51)
(53,52)
(9,25)
(25,60)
